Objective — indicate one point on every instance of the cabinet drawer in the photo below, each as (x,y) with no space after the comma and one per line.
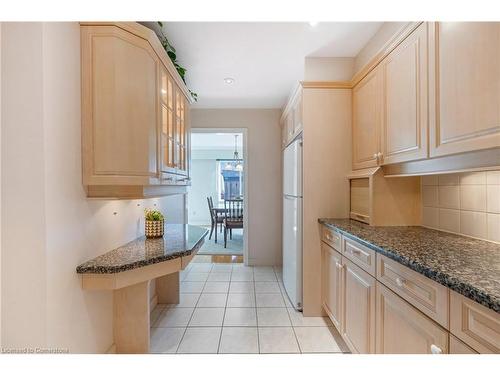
(331,237)
(359,254)
(426,295)
(474,324)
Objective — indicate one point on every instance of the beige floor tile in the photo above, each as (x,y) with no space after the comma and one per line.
(239,340)
(299,320)
(174,317)
(196,276)
(265,276)
(201,267)
(241,287)
(207,317)
(191,286)
(267,287)
(263,269)
(242,276)
(186,300)
(222,268)
(202,340)
(272,317)
(241,300)
(270,300)
(219,276)
(277,340)
(165,340)
(317,340)
(240,317)
(216,287)
(212,300)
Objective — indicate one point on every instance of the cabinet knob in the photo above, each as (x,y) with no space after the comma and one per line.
(338,265)
(379,155)
(436,349)
(400,282)
(375,156)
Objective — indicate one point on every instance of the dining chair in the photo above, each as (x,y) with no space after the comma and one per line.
(233,217)
(215,218)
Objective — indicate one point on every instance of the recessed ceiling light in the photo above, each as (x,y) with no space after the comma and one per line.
(229,80)
(313,23)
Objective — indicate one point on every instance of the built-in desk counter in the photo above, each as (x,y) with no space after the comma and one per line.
(128,271)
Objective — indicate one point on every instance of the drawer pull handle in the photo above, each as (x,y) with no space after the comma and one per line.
(436,349)
(355,252)
(400,282)
(338,265)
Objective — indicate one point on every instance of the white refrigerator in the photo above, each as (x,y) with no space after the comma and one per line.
(292,223)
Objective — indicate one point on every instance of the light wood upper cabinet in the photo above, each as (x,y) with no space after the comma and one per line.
(366,120)
(120,123)
(135,114)
(404,124)
(402,329)
(291,119)
(332,284)
(358,303)
(464,87)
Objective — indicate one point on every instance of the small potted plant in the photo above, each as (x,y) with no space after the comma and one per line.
(154,223)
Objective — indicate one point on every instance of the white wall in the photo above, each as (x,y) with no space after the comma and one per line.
(328,68)
(48,225)
(203,183)
(376,43)
(264,175)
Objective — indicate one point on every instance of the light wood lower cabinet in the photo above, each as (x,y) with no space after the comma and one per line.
(332,284)
(399,310)
(358,315)
(459,347)
(401,328)
(474,324)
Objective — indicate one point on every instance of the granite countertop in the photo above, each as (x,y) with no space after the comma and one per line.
(179,240)
(468,266)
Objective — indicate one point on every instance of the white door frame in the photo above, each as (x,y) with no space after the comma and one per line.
(246,163)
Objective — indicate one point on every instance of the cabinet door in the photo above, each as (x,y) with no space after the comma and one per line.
(119,108)
(167,122)
(464,86)
(358,316)
(402,329)
(404,125)
(366,123)
(332,283)
(459,347)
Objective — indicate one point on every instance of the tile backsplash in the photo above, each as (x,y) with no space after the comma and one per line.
(464,203)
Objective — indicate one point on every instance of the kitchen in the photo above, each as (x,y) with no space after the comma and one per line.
(372,188)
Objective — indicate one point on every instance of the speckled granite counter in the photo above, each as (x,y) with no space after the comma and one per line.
(468,266)
(179,241)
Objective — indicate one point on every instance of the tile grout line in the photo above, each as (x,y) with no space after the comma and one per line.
(225,309)
(191,317)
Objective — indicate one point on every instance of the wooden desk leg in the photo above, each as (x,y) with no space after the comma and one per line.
(167,288)
(131,318)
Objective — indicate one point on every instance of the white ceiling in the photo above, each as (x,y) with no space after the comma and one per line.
(266,59)
(215,141)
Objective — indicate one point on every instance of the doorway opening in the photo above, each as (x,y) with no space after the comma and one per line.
(217,197)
